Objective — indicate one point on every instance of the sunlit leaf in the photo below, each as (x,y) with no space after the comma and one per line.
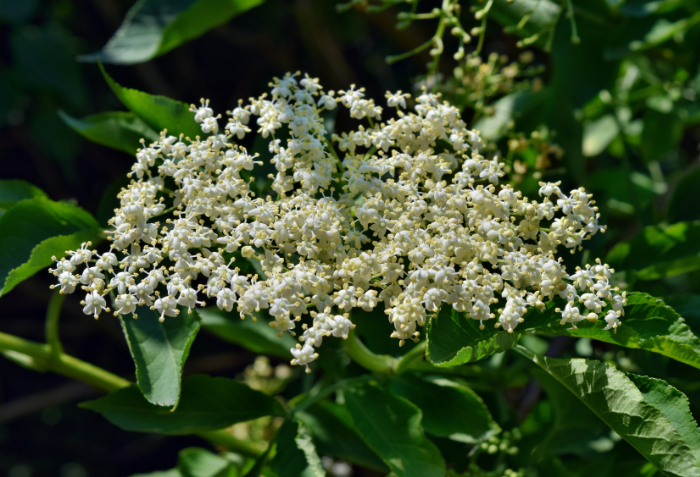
(36,229)
(153,27)
(614,398)
(159,351)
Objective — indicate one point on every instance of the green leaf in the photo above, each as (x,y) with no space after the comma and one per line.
(206,404)
(461,415)
(614,398)
(296,455)
(648,324)
(391,426)
(674,405)
(506,110)
(598,134)
(542,15)
(116,129)
(683,204)
(661,135)
(454,339)
(573,428)
(659,251)
(158,112)
(256,336)
(198,462)
(14,190)
(333,432)
(159,351)
(153,27)
(34,230)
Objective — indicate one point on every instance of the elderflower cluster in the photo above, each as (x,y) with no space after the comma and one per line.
(408,214)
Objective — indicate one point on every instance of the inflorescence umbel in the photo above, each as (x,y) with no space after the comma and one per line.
(408,213)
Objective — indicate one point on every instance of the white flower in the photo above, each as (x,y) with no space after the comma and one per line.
(404,211)
(94,304)
(303,355)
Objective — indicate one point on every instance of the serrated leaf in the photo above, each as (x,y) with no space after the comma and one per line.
(296,455)
(454,339)
(674,405)
(14,190)
(34,230)
(332,430)
(153,27)
(256,336)
(659,251)
(116,129)
(158,112)
(461,415)
(198,462)
(206,404)
(391,426)
(648,324)
(614,398)
(159,351)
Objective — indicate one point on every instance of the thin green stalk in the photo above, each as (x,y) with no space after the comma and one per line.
(41,357)
(53,313)
(62,363)
(412,357)
(359,353)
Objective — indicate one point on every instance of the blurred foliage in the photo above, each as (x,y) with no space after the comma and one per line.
(603,94)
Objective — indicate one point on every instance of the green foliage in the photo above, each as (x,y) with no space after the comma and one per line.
(648,324)
(158,112)
(206,403)
(116,129)
(12,191)
(334,434)
(391,426)
(256,336)
(659,251)
(34,230)
(614,398)
(198,462)
(461,416)
(159,351)
(154,27)
(296,455)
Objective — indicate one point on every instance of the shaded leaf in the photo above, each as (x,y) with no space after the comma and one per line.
(391,426)
(34,230)
(614,398)
(661,135)
(14,190)
(158,112)
(153,27)
(116,129)
(683,204)
(659,251)
(206,404)
(159,351)
(332,430)
(296,455)
(461,415)
(256,336)
(648,324)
